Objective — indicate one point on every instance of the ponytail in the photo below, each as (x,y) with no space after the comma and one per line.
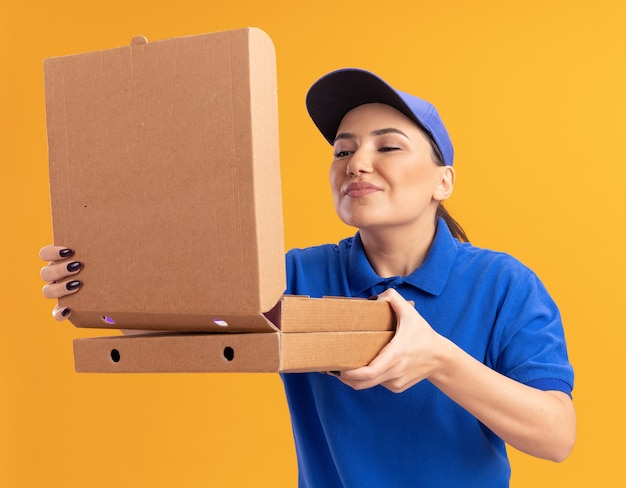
(455,228)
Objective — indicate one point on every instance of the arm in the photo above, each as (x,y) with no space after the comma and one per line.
(540,423)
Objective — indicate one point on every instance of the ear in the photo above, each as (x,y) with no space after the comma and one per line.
(444,188)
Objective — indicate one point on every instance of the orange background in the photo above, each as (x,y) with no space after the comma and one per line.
(533,94)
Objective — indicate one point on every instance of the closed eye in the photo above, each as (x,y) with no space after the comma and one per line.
(389,149)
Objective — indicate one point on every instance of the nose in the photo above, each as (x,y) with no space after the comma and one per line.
(359,162)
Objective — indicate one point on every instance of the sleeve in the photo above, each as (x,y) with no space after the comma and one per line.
(532,347)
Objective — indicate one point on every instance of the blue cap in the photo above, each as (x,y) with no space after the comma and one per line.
(335,94)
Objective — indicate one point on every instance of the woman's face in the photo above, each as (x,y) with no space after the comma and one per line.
(383,173)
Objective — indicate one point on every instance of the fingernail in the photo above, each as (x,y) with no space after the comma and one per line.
(65,312)
(373,297)
(66,253)
(74,266)
(72,285)
(335,373)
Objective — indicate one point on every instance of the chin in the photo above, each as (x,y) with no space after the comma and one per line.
(361,222)
(364,216)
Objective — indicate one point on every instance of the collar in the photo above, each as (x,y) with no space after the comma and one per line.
(430,277)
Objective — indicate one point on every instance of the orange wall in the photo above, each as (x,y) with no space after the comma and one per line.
(533,94)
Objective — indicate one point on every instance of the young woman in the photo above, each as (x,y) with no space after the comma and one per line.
(478,360)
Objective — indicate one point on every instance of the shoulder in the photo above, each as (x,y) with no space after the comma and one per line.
(464,267)
(512,290)
(495,276)
(319,254)
(488,262)
(318,270)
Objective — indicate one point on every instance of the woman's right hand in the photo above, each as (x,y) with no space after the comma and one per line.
(59,275)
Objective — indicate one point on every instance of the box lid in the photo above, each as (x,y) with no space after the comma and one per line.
(165,179)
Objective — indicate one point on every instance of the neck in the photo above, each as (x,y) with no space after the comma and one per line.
(398,251)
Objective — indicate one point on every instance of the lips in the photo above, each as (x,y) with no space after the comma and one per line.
(361,189)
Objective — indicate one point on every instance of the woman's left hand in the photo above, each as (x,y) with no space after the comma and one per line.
(540,423)
(407,359)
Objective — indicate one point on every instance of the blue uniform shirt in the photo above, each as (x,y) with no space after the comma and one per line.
(487,303)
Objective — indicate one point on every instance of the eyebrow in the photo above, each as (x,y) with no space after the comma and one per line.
(377,132)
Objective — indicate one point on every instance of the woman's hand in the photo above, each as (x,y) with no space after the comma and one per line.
(540,423)
(410,356)
(60,274)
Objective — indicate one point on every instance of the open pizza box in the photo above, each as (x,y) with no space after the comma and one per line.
(165,179)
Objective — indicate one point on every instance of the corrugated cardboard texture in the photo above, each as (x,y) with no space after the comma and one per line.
(165,178)
(330,351)
(180,353)
(318,334)
(331,314)
(315,351)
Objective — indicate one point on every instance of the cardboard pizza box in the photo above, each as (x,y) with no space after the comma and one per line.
(165,179)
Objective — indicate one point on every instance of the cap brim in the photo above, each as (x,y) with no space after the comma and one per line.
(335,94)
